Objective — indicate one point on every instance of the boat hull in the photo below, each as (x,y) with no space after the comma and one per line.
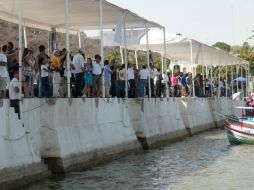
(239,135)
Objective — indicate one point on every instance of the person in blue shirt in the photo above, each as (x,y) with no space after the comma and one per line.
(107,78)
(184,84)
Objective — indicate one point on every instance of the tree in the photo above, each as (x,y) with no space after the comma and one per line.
(222,46)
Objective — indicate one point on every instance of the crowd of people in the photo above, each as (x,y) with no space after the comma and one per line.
(45,76)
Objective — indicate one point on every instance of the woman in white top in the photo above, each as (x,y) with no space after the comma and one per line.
(29,62)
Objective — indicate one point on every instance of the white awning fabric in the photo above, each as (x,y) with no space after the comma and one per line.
(83,14)
(179,48)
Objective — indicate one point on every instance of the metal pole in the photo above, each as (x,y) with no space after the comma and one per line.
(148,60)
(211,82)
(237,77)
(246,82)
(136,58)
(162,62)
(125,57)
(79,40)
(219,87)
(232,80)
(25,36)
(121,53)
(20,43)
(67,28)
(191,57)
(226,81)
(203,77)
(241,76)
(101,49)
(165,51)
(248,71)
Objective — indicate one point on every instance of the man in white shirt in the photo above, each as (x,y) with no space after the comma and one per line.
(3,72)
(131,80)
(14,93)
(79,64)
(97,71)
(143,75)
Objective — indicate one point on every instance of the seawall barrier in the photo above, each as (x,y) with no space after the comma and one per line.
(61,135)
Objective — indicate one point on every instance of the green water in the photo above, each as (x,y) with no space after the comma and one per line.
(205,161)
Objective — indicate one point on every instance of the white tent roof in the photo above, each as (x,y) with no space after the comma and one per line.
(179,48)
(83,14)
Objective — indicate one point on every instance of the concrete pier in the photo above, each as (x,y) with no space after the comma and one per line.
(61,135)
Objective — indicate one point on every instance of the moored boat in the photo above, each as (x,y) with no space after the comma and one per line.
(240,129)
(240,135)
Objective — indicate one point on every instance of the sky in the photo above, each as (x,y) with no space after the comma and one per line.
(208,21)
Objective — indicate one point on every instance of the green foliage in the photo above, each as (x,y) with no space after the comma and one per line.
(142,58)
(222,46)
(245,52)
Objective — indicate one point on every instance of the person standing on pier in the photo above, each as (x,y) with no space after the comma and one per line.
(131,81)
(3,72)
(107,78)
(97,72)
(56,66)
(79,64)
(143,75)
(14,93)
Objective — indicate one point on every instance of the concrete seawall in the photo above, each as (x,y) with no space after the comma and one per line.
(19,163)
(72,134)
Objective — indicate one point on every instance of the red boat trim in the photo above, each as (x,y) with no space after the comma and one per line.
(249,127)
(239,131)
(244,124)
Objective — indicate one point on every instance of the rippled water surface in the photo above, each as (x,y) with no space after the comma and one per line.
(205,161)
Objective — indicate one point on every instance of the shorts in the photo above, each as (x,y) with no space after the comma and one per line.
(3,83)
(96,81)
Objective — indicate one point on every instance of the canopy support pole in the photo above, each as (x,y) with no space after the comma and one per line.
(237,77)
(148,61)
(67,31)
(219,87)
(248,71)
(162,62)
(20,43)
(25,35)
(211,82)
(79,40)
(101,48)
(125,57)
(136,58)
(246,82)
(203,75)
(194,73)
(226,81)
(242,77)
(121,54)
(232,80)
(165,52)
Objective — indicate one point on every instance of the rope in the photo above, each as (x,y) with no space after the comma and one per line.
(37,107)
(16,139)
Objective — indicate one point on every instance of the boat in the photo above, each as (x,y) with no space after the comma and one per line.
(240,129)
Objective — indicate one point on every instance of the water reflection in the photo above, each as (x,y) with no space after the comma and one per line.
(175,166)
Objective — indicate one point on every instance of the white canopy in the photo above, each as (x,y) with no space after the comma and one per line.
(83,14)
(185,49)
